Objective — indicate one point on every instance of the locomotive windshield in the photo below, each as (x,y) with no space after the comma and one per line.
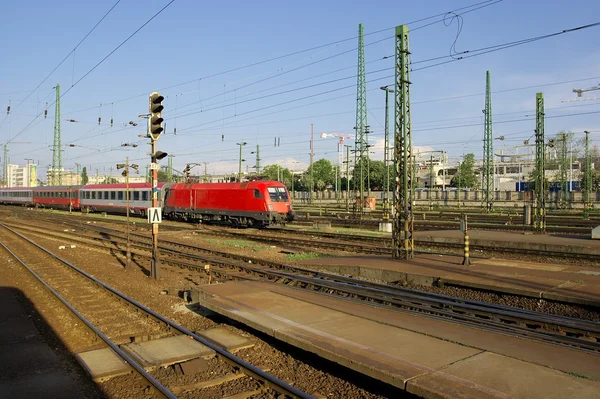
(278,194)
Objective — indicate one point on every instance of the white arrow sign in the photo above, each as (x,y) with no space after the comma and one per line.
(154,215)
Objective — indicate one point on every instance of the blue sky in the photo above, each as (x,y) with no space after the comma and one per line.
(192,40)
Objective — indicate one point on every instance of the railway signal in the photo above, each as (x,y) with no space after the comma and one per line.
(156,119)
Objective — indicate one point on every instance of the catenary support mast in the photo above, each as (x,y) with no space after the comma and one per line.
(539,200)
(488,149)
(403,159)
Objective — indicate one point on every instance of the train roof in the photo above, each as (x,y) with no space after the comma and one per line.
(17,188)
(234,185)
(119,186)
(54,188)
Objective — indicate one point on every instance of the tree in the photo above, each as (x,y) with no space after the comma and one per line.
(110,180)
(595,161)
(163,175)
(323,174)
(84,176)
(465,176)
(277,173)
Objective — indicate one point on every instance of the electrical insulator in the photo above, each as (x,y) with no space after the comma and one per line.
(45,114)
(175,131)
(71,120)
(111,122)
(8,110)
(99,120)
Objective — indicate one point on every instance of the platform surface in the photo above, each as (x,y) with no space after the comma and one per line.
(409,351)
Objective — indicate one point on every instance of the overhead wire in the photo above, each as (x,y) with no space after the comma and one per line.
(96,66)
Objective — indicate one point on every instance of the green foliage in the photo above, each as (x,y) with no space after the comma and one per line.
(465,176)
(84,176)
(110,180)
(373,173)
(595,161)
(277,173)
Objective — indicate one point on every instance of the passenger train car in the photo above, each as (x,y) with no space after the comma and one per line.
(112,198)
(255,203)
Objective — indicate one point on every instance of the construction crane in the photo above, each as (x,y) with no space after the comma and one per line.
(341,138)
(580,94)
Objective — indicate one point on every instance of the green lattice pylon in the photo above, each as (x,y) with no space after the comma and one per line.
(487,181)
(361,154)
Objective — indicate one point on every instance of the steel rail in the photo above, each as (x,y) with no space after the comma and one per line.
(251,370)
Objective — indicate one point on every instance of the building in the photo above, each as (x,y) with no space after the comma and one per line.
(21,176)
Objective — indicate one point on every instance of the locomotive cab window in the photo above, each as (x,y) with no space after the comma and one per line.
(257,193)
(277,194)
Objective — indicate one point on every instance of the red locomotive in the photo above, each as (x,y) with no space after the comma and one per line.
(254,203)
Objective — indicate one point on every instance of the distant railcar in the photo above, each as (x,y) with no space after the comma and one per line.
(255,203)
(112,198)
(62,197)
(16,196)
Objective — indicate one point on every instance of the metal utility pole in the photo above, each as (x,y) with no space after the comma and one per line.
(5,165)
(78,178)
(588,171)
(487,181)
(403,227)
(312,159)
(56,152)
(258,159)
(243,143)
(127,199)
(386,148)
(564,160)
(539,201)
(205,172)
(170,167)
(347,176)
(361,145)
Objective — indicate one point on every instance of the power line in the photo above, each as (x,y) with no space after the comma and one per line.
(64,59)
(95,66)
(474,7)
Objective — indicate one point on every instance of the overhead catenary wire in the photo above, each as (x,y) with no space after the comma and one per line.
(64,59)
(95,66)
(468,8)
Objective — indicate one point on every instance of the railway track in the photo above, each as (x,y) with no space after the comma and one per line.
(118,319)
(558,330)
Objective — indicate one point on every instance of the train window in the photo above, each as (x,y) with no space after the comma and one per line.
(106,195)
(144,195)
(257,193)
(273,193)
(113,195)
(282,194)
(93,195)
(136,195)
(120,195)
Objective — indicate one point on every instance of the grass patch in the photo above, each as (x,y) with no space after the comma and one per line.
(574,374)
(305,255)
(244,244)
